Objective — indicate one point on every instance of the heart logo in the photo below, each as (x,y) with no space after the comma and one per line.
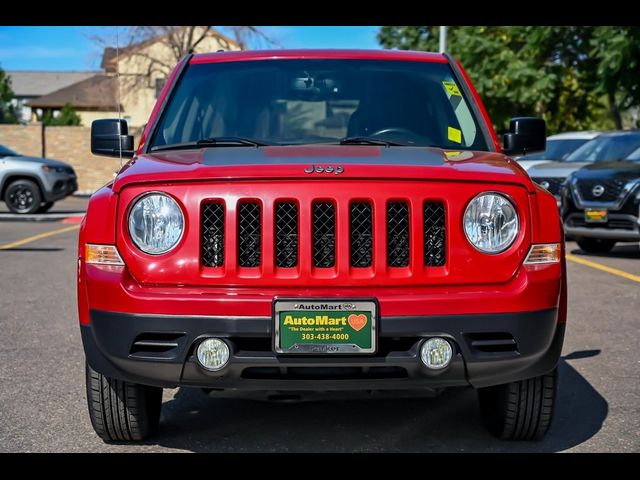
(357,322)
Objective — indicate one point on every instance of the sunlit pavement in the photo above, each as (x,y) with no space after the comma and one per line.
(42,396)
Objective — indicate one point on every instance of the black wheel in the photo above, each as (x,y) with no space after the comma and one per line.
(121,411)
(596,245)
(45,207)
(23,196)
(520,410)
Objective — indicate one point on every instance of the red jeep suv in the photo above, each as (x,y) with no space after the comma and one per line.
(297,221)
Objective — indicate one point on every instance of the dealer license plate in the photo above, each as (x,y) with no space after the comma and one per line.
(325,326)
(595,215)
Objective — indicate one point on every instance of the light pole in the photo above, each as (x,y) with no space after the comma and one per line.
(443,39)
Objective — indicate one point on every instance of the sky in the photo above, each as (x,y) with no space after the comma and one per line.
(72,48)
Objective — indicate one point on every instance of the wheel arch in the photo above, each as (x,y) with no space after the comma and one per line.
(9,179)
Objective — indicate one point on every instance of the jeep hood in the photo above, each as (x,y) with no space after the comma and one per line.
(239,163)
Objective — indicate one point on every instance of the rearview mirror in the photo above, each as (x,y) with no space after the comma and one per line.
(526,135)
(110,136)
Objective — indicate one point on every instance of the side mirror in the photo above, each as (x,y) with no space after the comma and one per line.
(109,136)
(526,135)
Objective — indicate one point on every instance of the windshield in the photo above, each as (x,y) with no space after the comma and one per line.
(634,156)
(287,102)
(606,148)
(557,149)
(6,152)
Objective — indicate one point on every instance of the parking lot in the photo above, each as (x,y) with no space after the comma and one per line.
(42,389)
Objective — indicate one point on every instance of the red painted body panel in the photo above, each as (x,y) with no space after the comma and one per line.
(113,289)
(465,265)
(191,165)
(176,283)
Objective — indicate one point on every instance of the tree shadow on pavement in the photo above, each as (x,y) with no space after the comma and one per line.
(450,422)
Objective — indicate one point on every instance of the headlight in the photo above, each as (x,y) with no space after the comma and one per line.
(490,223)
(156,223)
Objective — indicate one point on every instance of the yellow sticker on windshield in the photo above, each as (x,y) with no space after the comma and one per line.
(454,135)
(452,88)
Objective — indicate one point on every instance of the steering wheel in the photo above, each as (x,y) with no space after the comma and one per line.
(404,131)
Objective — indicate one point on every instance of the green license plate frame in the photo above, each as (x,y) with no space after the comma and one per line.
(311,326)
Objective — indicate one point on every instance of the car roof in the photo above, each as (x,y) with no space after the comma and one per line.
(622,133)
(355,54)
(588,135)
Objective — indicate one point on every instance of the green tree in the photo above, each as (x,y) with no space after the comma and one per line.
(617,54)
(67,117)
(552,72)
(7,110)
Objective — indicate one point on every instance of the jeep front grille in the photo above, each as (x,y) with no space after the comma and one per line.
(289,223)
(397,234)
(324,235)
(212,249)
(286,232)
(361,228)
(249,234)
(434,234)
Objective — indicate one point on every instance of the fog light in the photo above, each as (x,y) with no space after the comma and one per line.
(436,353)
(213,354)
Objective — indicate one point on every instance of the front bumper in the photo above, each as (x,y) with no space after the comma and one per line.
(58,186)
(484,354)
(621,227)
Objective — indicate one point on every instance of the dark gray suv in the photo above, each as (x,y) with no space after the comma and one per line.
(33,184)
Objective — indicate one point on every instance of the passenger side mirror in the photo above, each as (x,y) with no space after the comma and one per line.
(526,135)
(109,136)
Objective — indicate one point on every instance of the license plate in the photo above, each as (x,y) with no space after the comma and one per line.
(595,215)
(325,326)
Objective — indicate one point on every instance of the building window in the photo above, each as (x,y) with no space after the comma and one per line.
(160,85)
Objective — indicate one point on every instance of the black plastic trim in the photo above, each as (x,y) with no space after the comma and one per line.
(107,342)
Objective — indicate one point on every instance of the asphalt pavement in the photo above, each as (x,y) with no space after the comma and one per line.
(42,390)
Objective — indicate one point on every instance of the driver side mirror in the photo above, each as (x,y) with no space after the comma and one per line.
(526,135)
(109,136)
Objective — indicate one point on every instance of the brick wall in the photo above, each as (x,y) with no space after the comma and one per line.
(68,144)
(24,139)
(73,146)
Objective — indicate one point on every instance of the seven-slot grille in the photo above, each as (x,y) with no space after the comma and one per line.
(612,189)
(286,234)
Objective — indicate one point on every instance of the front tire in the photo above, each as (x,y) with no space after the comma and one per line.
(23,197)
(122,411)
(596,245)
(520,410)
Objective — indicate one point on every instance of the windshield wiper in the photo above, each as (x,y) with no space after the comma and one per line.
(212,142)
(231,141)
(368,141)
